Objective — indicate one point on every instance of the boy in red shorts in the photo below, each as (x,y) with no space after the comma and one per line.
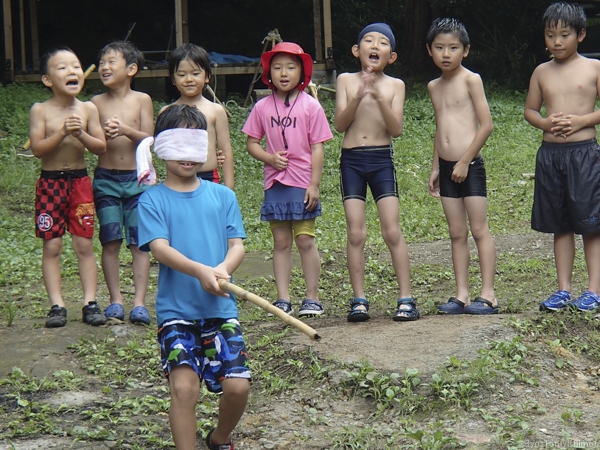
(61,128)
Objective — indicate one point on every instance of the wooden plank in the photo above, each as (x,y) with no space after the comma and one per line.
(35,40)
(22,35)
(9,65)
(327,27)
(246,69)
(317,21)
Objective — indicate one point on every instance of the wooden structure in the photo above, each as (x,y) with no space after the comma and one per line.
(322,26)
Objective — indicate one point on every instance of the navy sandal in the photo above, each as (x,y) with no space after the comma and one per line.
(407,310)
(453,306)
(359,310)
(481,306)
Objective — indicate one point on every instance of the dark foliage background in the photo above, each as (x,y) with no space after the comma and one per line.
(506,35)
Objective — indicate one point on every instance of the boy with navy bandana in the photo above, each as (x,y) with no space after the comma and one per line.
(194,229)
(369,111)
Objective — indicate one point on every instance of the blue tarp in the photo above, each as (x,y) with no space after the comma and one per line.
(221,58)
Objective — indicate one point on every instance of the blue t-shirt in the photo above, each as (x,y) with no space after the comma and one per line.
(198,225)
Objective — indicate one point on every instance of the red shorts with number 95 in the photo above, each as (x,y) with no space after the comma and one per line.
(64,201)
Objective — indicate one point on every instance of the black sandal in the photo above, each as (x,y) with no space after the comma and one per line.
(407,310)
(357,313)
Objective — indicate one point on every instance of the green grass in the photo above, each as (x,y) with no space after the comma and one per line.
(509,153)
(428,406)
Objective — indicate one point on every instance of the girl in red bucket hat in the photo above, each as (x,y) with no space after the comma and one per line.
(296,128)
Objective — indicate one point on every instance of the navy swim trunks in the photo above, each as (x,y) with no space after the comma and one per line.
(372,166)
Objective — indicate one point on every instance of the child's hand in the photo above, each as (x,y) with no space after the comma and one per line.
(434,184)
(311,198)
(460,172)
(209,280)
(567,125)
(368,79)
(73,125)
(556,122)
(220,159)
(112,128)
(279,161)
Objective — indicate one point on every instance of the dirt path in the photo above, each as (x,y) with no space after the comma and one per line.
(433,338)
(389,346)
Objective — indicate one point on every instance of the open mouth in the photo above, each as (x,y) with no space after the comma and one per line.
(73,83)
(187,163)
(374,57)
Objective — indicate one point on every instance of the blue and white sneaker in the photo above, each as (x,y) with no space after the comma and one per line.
(587,302)
(556,301)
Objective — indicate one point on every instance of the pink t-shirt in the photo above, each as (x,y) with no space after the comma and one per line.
(305,124)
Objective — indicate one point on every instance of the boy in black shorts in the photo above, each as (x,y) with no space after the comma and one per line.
(567,171)
(463,124)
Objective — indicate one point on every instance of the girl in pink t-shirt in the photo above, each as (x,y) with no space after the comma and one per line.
(295,128)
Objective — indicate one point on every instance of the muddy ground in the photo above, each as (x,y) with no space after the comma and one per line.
(287,421)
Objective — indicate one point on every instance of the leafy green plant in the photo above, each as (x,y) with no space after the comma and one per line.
(432,441)
(10,310)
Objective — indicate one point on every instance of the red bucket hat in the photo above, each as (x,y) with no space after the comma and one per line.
(292,49)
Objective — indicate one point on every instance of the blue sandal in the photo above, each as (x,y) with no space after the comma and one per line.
(311,308)
(481,306)
(407,310)
(139,314)
(115,311)
(453,306)
(359,310)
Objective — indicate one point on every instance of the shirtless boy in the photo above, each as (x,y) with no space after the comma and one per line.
(128,117)
(463,124)
(61,128)
(189,68)
(567,192)
(369,111)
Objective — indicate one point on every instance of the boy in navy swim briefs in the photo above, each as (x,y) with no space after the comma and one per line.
(369,111)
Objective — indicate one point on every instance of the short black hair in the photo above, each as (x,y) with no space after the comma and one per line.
(49,54)
(447,25)
(191,52)
(130,52)
(571,15)
(180,116)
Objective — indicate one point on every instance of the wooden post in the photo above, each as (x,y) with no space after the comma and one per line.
(317,20)
(9,65)
(22,35)
(328,36)
(35,41)
(185,26)
(178,23)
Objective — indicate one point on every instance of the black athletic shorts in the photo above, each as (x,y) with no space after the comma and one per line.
(473,186)
(567,188)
